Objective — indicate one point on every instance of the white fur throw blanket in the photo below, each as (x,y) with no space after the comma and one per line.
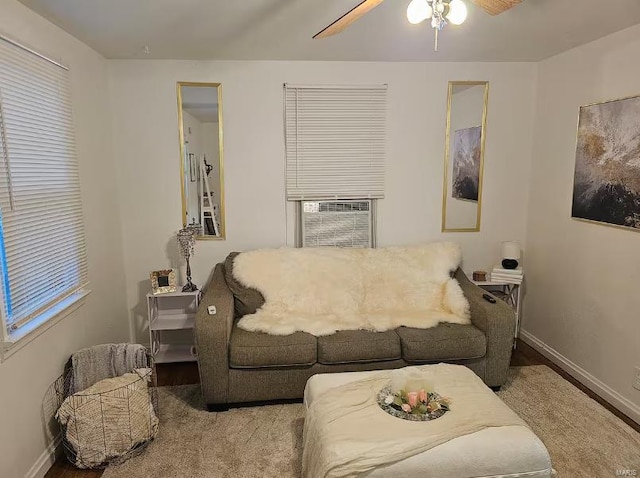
(323,290)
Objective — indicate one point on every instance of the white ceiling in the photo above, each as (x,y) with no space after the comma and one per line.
(282,29)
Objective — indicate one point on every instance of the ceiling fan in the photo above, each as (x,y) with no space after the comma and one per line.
(441,12)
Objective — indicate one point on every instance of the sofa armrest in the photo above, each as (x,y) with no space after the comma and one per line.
(212,334)
(498,322)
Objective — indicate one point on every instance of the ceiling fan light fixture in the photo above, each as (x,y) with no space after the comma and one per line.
(418,11)
(440,11)
(457,12)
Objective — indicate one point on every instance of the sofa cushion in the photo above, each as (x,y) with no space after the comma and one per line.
(444,342)
(350,346)
(257,350)
(246,299)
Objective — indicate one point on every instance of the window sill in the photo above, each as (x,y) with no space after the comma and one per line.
(18,339)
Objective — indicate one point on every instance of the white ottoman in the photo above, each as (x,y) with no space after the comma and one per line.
(509,451)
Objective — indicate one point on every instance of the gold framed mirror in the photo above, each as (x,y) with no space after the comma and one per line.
(464,155)
(201,157)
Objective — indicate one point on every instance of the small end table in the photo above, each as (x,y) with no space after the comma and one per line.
(510,293)
(169,314)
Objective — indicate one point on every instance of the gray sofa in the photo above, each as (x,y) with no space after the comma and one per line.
(237,366)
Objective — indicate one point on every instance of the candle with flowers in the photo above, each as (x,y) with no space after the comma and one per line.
(411,394)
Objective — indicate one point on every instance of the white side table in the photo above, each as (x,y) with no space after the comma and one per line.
(511,294)
(171,321)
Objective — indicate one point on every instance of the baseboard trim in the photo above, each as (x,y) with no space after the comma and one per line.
(46,460)
(594,384)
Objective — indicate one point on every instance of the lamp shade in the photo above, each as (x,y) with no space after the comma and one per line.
(457,12)
(510,250)
(418,11)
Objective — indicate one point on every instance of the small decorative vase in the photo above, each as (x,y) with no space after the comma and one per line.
(509,263)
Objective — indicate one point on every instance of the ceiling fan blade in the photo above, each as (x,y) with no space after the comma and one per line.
(348,18)
(496,7)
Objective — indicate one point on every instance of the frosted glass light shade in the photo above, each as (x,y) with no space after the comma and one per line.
(510,250)
(418,11)
(457,12)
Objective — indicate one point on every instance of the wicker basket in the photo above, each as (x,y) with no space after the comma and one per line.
(109,422)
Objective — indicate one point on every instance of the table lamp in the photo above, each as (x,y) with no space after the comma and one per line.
(510,254)
(186,241)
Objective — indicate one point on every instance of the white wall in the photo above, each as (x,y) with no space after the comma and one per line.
(26,375)
(147,154)
(582,278)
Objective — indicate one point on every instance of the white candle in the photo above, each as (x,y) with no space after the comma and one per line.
(411,381)
(398,381)
(427,385)
(414,384)
(417,381)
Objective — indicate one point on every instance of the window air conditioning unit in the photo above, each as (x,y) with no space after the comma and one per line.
(347,223)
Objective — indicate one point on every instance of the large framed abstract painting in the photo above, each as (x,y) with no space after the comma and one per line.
(606,185)
(466,163)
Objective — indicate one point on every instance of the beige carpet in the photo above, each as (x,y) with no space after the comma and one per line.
(584,439)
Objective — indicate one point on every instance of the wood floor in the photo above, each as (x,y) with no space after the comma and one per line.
(187,373)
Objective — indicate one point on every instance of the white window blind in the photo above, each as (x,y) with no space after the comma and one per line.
(42,246)
(335,141)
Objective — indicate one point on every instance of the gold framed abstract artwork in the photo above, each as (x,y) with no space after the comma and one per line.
(466,163)
(606,187)
(163,281)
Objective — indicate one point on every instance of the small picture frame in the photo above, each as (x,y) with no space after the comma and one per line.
(163,281)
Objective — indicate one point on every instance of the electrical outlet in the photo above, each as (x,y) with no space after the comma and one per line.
(212,310)
(636,382)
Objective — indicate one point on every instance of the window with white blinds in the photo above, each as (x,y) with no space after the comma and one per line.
(335,141)
(42,248)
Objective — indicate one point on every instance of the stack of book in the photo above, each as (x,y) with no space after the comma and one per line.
(512,276)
